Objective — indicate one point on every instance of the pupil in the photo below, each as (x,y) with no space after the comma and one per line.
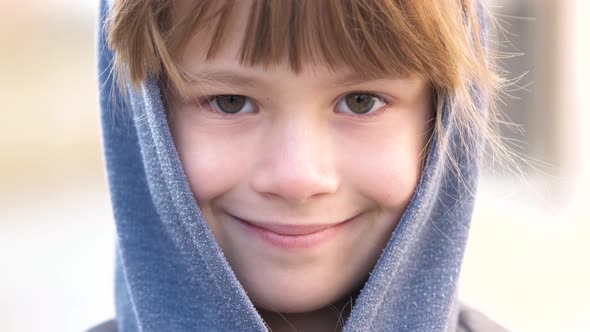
(231,103)
(359,103)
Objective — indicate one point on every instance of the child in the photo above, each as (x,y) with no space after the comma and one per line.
(293,165)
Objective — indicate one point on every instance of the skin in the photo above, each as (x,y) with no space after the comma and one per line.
(297,154)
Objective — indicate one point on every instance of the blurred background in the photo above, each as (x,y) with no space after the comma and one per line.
(527,262)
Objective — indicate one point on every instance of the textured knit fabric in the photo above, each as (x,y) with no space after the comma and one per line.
(172,276)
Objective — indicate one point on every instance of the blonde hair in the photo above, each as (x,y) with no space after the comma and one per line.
(438,40)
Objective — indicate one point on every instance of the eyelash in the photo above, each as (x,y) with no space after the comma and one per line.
(209,100)
(386,104)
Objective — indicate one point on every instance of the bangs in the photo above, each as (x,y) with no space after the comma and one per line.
(374,37)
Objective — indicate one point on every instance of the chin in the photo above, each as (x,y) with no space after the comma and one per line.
(290,304)
(293,295)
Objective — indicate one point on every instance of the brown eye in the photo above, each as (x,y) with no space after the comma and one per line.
(360,103)
(230,103)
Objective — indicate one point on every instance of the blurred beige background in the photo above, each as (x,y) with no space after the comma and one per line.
(527,263)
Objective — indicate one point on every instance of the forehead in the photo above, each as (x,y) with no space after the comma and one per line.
(198,45)
(327,36)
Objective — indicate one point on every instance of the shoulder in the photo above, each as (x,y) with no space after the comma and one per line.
(108,326)
(471,320)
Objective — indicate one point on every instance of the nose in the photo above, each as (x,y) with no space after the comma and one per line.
(295,162)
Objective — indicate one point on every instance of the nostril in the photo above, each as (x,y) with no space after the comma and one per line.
(296,186)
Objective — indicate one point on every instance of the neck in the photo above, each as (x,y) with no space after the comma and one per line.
(330,318)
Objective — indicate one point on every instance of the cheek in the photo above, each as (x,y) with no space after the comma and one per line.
(209,173)
(387,170)
(214,164)
(390,181)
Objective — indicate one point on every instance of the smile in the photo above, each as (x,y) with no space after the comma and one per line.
(288,236)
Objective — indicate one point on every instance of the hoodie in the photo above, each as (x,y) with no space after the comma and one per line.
(171,275)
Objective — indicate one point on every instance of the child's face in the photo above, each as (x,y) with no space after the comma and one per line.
(294,152)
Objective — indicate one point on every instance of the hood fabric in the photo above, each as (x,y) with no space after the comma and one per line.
(172,276)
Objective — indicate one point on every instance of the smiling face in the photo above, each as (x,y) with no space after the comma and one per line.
(302,178)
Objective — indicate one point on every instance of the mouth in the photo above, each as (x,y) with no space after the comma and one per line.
(293,236)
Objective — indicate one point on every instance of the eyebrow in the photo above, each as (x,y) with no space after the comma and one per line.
(225,78)
(222,77)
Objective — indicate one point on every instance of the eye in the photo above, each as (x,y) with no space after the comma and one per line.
(232,104)
(360,103)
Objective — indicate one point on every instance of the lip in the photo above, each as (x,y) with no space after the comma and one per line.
(289,236)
